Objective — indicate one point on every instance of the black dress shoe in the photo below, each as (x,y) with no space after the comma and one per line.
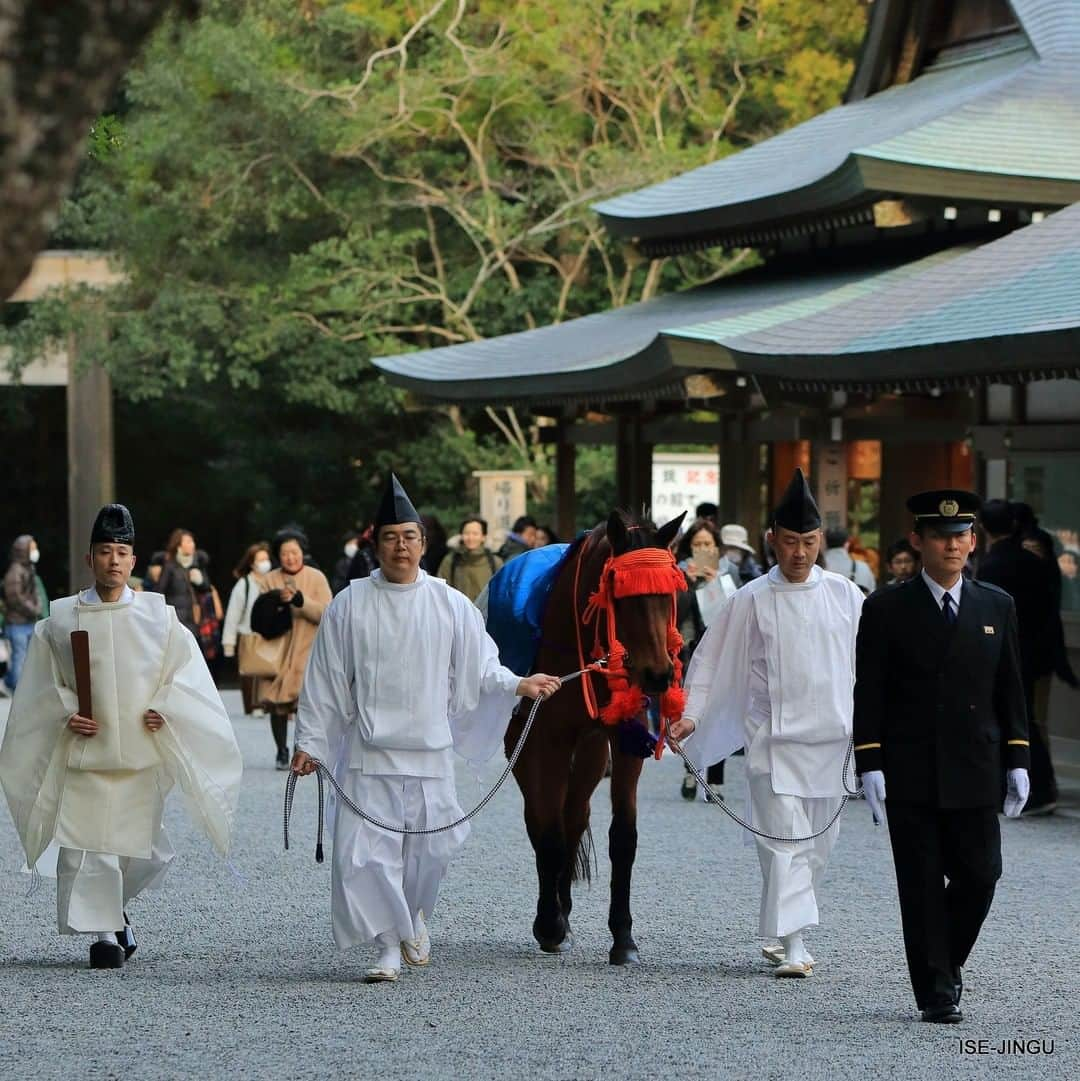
(126,938)
(106,955)
(949,1014)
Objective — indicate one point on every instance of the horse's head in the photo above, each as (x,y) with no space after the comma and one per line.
(642,619)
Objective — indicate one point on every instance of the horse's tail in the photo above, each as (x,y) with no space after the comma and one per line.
(584,858)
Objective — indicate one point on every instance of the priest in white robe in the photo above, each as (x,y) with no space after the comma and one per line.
(402,676)
(95,783)
(774,673)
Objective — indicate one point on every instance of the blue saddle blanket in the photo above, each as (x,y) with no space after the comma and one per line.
(517,599)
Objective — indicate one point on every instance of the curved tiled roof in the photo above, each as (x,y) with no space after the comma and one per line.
(1007,309)
(997,125)
(622,352)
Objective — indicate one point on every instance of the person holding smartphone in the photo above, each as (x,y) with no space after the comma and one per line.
(711,578)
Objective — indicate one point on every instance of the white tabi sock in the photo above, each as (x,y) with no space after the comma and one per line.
(389,950)
(107,936)
(794,950)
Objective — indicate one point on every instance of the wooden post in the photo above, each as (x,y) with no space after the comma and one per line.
(633,464)
(91,467)
(565,490)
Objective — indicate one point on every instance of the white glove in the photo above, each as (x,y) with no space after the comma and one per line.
(1018,788)
(873,785)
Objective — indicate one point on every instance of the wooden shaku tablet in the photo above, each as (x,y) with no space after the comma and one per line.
(80,651)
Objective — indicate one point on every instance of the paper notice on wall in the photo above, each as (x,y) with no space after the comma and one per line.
(680,481)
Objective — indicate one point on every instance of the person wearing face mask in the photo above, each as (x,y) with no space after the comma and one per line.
(24,603)
(350,546)
(302,592)
(180,577)
(739,553)
(250,574)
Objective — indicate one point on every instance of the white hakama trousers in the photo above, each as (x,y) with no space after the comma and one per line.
(93,888)
(791,873)
(381,880)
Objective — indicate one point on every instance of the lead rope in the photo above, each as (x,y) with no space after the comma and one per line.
(676,746)
(323,771)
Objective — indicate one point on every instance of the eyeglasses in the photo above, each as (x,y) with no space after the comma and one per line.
(391,540)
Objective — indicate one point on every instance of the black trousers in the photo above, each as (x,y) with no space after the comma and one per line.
(941,921)
(1044,787)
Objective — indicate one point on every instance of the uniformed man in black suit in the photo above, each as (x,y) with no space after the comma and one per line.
(939,718)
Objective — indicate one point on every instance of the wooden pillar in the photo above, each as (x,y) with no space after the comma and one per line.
(565,487)
(733,454)
(91,467)
(633,464)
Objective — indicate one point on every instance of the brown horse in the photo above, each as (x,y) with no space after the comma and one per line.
(567,753)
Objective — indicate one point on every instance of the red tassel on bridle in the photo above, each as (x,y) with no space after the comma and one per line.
(636,573)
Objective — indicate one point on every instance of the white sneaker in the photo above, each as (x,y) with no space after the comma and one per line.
(417,951)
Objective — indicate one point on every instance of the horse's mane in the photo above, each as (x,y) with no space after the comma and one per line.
(642,531)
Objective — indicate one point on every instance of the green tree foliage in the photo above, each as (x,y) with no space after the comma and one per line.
(294,187)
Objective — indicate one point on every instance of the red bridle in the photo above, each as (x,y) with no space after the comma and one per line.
(640,572)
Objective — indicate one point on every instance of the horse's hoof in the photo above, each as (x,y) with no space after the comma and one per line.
(565,946)
(624,955)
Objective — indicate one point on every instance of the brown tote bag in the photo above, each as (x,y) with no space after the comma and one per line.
(258,656)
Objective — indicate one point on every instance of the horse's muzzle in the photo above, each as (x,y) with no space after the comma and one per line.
(653,682)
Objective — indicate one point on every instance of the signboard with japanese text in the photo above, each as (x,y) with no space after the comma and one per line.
(832,485)
(502,498)
(680,481)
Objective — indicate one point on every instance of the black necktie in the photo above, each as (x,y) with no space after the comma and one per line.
(947,609)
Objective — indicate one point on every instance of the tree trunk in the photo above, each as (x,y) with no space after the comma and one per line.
(60,61)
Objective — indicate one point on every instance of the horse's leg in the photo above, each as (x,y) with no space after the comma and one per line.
(622,838)
(542,774)
(586,770)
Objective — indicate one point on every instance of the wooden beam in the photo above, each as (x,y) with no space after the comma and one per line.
(91,468)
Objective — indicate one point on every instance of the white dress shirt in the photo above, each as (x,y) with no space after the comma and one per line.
(938,592)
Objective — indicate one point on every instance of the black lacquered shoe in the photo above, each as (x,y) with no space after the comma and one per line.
(106,955)
(949,1014)
(126,938)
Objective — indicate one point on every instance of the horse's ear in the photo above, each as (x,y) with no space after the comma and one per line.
(617,536)
(669,531)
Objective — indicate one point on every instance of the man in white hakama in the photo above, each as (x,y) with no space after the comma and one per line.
(774,673)
(96,784)
(401,676)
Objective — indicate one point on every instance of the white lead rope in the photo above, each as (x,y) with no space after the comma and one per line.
(676,746)
(322,771)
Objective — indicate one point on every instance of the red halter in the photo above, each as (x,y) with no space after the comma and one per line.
(635,573)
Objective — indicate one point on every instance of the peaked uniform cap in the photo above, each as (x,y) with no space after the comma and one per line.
(797,509)
(113,525)
(395,507)
(948,510)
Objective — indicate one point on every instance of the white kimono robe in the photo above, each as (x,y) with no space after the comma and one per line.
(399,677)
(775,673)
(101,798)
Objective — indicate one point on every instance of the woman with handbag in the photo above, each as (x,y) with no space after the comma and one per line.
(287,615)
(184,579)
(250,574)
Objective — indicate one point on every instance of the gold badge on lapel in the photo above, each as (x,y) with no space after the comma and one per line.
(988,630)
(949,508)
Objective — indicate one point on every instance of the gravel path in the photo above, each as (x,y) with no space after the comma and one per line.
(241,979)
